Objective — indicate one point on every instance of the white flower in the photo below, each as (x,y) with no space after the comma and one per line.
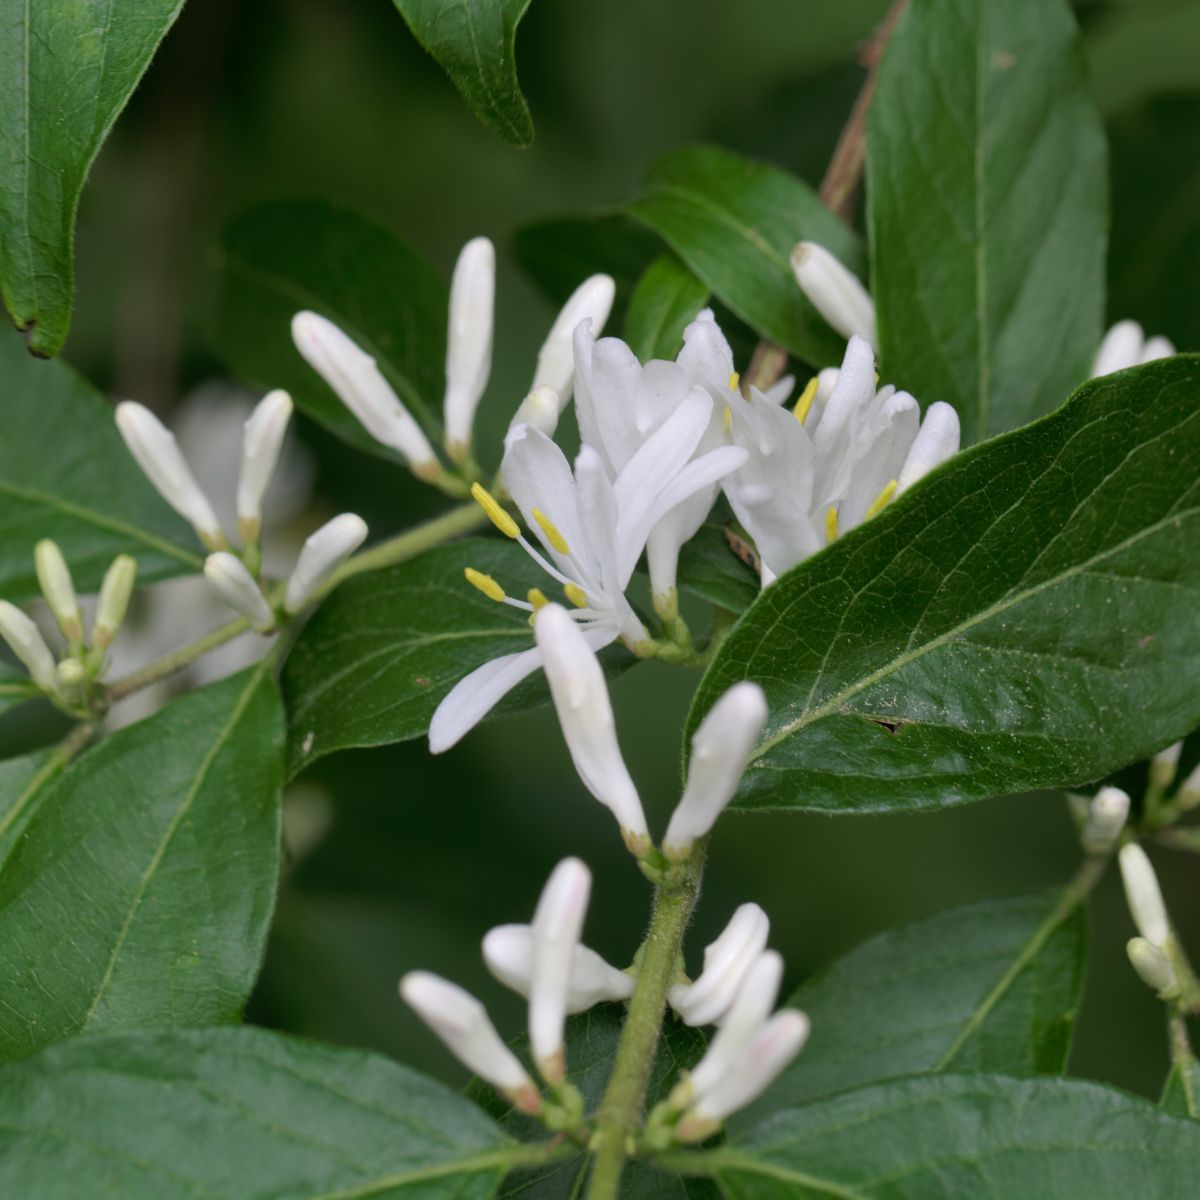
(462,1024)
(726,962)
(262,443)
(113,603)
(1106,817)
(834,291)
(232,582)
(27,643)
(1153,967)
(1143,895)
(1125,345)
(323,552)
(541,409)
(508,952)
(468,342)
(54,578)
(720,749)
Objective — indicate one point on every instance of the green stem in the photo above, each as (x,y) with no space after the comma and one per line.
(62,755)
(170,664)
(658,968)
(1183,1059)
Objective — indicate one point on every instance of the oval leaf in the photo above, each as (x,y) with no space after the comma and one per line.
(1025,618)
(666,300)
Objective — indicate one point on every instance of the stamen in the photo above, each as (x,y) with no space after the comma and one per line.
(537,598)
(806,399)
(881,501)
(486,584)
(553,536)
(735,381)
(495,511)
(831,524)
(576,595)
(727,420)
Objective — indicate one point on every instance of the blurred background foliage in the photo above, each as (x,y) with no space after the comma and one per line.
(402,860)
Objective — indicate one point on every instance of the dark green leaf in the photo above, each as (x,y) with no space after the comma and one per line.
(15,688)
(950,1136)
(991,986)
(987,205)
(168,834)
(734,222)
(24,783)
(66,71)
(666,300)
(1025,618)
(237,1114)
(709,566)
(278,259)
(474,41)
(65,474)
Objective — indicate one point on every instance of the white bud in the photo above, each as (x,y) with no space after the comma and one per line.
(1144,895)
(726,962)
(54,578)
(113,603)
(937,440)
(1121,347)
(154,447)
(322,554)
(541,409)
(361,387)
(508,952)
(1188,796)
(468,341)
(235,586)
(557,924)
(1106,817)
(1153,966)
(720,750)
(27,643)
(1156,348)
(463,1026)
(262,441)
(834,291)
(591,300)
(585,713)
(1164,765)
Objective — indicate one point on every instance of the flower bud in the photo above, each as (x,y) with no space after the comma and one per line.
(1106,817)
(462,1024)
(937,440)
(262,441)
(508,952)
(1153,966)
(27,643)
(720,750)
(468,342)
(834,291)
(591,300)
(541,409)
(361,387)
(1164,765)
(1156,348)
(157,453)
(54,578)
(70,680)
(726,962)
(1144,895)
(115,592)
(236,587)
(1121,347)
(322,554)
(1188,795)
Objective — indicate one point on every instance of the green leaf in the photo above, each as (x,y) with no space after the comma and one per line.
(1026,617)
(239,1114)
(280,258)
(24,783)
(990,986)
(951,1136)
(734,222)
(1181,1092)
(66,71)
(167,834)
(709,567)
(15,688)
(474,42)
(666,300)
(65,474)
(987,205)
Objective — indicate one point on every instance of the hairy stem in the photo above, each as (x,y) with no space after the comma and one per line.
(1183,1060)
(625,1097)
(171,664)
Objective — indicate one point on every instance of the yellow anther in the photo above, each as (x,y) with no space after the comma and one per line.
(735,381)
(806,399)
(485,583)
(727,419)
(831,524)
(881,501)
(576,595)
(495,511)
(537,598)
(553,536)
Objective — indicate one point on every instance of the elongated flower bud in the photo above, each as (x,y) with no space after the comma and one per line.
(113,603)
(468,342)
(54,578)
(1156,348)
(937,440)
(726,962)
(322,554)
(1164,765)
(1144,896)
(1106,817)
(235,586)
(557,924)
(834,291)
(157,453)
(585,713)
(1153,967)
(262,441)
(591,300)
(720,750)
(508,952)
(27,643)
(462,1024)
(361,387)
(541,409)
(1188,796)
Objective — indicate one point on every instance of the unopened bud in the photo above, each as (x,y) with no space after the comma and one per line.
(1106,817)
(834,291)
(262,442)
(115,592)
(726,962)
(26,642)
(236,587)
(1144,895)
(541,409)
(322,554)
(1153,966)
(508,952)
(468,342)
(592,300)
(54,578)
(71,680)
(1164,765)
(1188,796)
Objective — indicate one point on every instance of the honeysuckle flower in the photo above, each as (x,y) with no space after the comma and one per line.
(468,342)
(834,291)
(541,409)
(26,642)
(720,750)
(1125,345)
(508,952)
(1144,895)
(1164,764)
(726,962)
(323,552)
(1153,966)
(113,602)
(463,1026)
(54,578)
(1106,817)
(262,443)
(232,582)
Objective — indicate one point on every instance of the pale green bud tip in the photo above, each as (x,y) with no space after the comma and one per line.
(1164,765)
(1189,790)
(71,680)
(1153,967)
(54,578)
(115,593)
(1106,818)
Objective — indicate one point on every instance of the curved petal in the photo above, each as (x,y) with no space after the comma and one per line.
(475,695)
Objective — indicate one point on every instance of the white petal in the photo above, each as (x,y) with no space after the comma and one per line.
(834,290)
(706,354)
(1144,895)
(726,962)
(508,952)
(321,555)
(27,643)
(476,694)
(591,301)
(1156,348)
(468,341)
(1106,818)
(936,440)
(540,409)
(262,440)
(1122,347)
(235,586)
